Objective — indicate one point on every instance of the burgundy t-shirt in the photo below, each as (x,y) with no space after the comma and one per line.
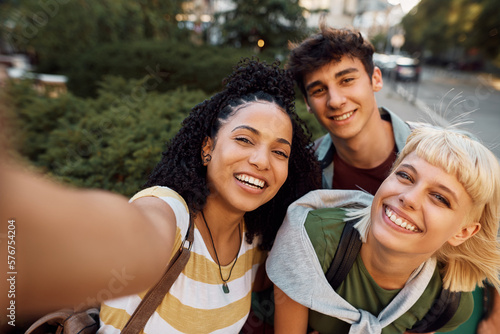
(346,176)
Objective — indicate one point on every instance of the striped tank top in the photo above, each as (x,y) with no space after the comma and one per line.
(195,302)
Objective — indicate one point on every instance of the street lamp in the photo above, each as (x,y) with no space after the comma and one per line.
(397,42)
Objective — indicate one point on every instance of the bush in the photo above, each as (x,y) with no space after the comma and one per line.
(168,64)
(310,120)
(111,142)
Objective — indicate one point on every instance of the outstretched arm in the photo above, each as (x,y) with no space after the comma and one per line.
(77,247)
(290,317)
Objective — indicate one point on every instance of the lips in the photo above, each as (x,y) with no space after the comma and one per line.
(251,181)
(401,222)
(343,116)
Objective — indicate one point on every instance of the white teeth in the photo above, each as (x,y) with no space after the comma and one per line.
(251,181)
(400,222)
(345,116)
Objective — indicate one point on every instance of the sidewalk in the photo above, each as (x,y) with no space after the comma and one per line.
(414,111)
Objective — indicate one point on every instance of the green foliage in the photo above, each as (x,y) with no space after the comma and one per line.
(312,123)
(61,30)
(167,65)
(111,142)
(440,26)
(274,21)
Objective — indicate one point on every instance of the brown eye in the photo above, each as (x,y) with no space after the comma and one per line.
(442,200)
(404,175)
(281,153)
(243,140)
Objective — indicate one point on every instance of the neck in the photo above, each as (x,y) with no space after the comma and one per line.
(224,228)
(221,220)
(370,148)
(388,269)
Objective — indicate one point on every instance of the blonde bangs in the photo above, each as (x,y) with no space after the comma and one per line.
(457,154)
(478,170)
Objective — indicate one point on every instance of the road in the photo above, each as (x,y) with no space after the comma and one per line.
(449,97)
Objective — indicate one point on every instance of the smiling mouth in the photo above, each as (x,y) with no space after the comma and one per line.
(343,117)
(251,181)
(400,221)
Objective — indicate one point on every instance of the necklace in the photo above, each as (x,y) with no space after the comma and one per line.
(225,288)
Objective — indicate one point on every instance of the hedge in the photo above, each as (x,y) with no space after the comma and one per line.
(169,64)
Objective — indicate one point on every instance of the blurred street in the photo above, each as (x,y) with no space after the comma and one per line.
(449,97)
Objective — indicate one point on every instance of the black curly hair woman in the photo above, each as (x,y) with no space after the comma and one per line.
(228,176)
(181,168)
(238,161)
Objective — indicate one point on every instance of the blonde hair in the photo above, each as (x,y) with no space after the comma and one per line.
(477,169)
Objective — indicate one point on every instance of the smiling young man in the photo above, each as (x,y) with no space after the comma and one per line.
(335,72)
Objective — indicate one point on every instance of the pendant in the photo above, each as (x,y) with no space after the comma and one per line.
(225,288)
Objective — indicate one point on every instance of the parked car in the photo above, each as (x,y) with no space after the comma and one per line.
(386,63)
(407,69)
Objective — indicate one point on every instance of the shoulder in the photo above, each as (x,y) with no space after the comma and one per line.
(164,193)
(425,302)
(401,129)
(322,145)
(166,196)
(324,228)
(463,312)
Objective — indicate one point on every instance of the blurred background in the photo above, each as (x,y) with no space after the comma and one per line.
(93,89)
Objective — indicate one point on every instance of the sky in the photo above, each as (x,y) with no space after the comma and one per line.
(406,5)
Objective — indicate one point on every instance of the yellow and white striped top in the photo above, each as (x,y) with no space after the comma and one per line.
(195,302)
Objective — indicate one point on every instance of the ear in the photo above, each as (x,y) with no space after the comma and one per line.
(307,105)
(464,234)
(377,82)
(206,150)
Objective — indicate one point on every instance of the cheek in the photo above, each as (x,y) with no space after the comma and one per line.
(281,173)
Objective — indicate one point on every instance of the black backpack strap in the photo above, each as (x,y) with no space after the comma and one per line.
(441,311)
(328,158)
(347,251)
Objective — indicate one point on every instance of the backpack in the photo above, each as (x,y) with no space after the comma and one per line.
(442,309)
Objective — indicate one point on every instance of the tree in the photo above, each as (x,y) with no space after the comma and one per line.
(60,30)
(486,30)
(465,26)
(274,21)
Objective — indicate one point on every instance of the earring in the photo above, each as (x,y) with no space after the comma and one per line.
(206,158)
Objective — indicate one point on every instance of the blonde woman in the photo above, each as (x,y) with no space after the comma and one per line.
(432,225)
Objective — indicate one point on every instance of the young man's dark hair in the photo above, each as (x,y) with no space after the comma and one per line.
(327,46)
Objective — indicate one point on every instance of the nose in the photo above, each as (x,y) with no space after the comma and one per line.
(336,99)
(260,158)
(411,198)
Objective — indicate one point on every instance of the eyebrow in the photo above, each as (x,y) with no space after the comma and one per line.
(337,75)
(346,71)
(257,132)
(439,185)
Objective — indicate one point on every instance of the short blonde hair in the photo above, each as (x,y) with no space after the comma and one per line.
(478,258)
(478,170)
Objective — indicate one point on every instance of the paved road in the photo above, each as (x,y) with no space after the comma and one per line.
(446,97)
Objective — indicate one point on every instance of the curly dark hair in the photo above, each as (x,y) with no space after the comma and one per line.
(181,167)
(328,45)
